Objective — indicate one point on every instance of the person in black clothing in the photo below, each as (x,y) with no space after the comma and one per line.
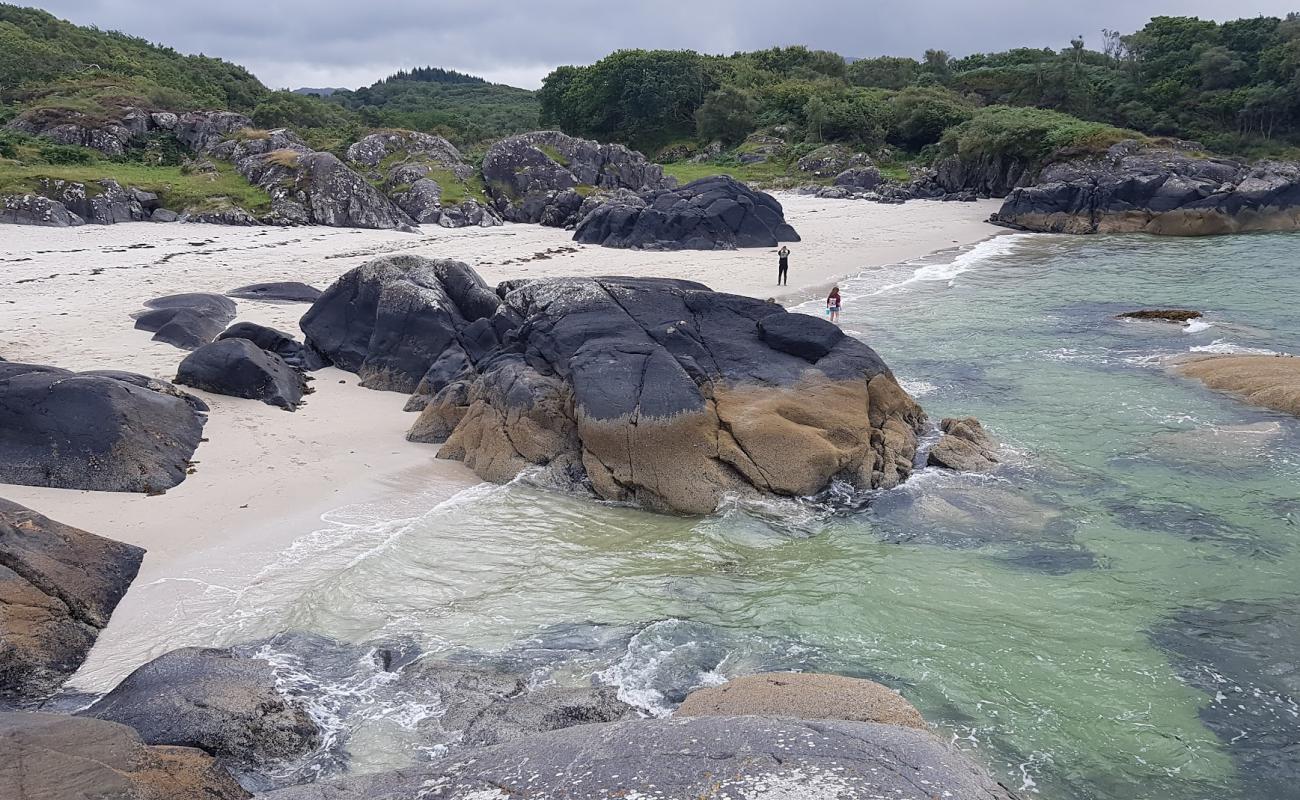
(783,266)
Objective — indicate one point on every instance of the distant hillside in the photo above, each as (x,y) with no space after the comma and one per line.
(323,92)
(45,58)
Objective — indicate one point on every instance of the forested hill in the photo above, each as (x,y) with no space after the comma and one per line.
(1234,87)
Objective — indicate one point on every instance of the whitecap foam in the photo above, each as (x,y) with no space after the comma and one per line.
(964,261)
(917,388)
(1197,325)
(1225,347)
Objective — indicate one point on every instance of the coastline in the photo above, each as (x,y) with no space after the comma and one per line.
(265,478)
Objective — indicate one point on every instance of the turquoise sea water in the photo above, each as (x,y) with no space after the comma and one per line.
(1114,614)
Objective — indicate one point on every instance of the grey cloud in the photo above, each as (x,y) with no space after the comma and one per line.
(337,43)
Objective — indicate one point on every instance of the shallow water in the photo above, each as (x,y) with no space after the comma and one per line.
(1110,616)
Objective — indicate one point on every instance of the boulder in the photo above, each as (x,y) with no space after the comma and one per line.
(833,159)
(1267,381)
(239,368)
(33,209)
(1178,315)
(188,320)
(715,213)
(228,215)
(53,757)
(372,150)
(689,757)
(103,431)
(294,353)
(803,696)
(757,148)
(58,588)
(539,177)
(163,215)
(859,178)
(1136,187)
(280,292)
(668,395)
(227,706)
(310,188)
(390,319)
(964,446)
(410,165)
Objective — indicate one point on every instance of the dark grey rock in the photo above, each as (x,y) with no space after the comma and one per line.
(163,215)
(188,320)
(58,588)
(390,319)
(374,148)
(859,178)
(239,368)
(211,699)
(53,757)
(279,292)
(33,209)
(833,159)
(110,138)
(94,431)
(810,338)
(715,213)
(294,353)
(318,188)
(722,757)
(108,203)
(203,130)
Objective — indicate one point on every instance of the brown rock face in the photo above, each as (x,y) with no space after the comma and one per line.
(1268,381)
(965,447)
(1165,314)
(58,587)
(803,696)
(51,757)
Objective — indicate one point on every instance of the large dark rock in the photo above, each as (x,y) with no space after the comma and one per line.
(211,699)
(316,188)
(667,394)
(715,213)
(239,368)
(104,431)
(103,202)
(187,320)
(58,588)
(1138,188)
(52,757)
(294,353)
(540,177)
(33,209)
(724,757)
(415,169)
(390,319)
(279,292)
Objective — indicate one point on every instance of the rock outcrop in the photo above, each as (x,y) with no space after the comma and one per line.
(236,367)
(390,319)
(213,700)
(689,757)
(279,343)
(187,320)
(417,170)
(105,431)
(1171,191)
(542,177)
(803,696)
(1178,315)
(964,446)
(278,292)
(833,159)
(58,588)
(316,188)
(34,209)
(1267,381)
(669,395)
(52,757)
(715,213)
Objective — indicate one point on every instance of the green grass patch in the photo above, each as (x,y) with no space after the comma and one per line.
(454,190)
(553,154)
(176,190)
(761,173)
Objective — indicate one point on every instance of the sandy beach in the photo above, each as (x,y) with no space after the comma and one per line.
(265,477)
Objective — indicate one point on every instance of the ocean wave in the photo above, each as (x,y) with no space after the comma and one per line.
(1197,325)
(964,261)
(1225,347)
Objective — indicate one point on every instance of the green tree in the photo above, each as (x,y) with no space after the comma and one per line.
(886,72)
(728,114)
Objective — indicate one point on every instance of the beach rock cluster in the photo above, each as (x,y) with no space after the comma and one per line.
(57,203)
(1177,191)
(653,391)
(58,588)
(416,170)
(99,430)
(542,177)
(188,320)
(716,213)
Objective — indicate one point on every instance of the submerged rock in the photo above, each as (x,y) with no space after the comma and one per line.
(803,696)
(52,757)
(1160,190)
(1163,314)
(105,431)
(964,446)
(715,213)
(280,292)
(1267,381)
(58,588)
(211,699)
(689,757)
(239,368)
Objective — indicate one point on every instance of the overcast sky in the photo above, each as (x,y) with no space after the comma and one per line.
(293,43)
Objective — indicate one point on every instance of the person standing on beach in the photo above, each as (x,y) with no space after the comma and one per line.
(833,305)
(783,266)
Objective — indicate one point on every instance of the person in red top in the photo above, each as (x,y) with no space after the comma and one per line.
(833,305)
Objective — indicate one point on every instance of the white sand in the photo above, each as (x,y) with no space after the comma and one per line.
(265,476)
